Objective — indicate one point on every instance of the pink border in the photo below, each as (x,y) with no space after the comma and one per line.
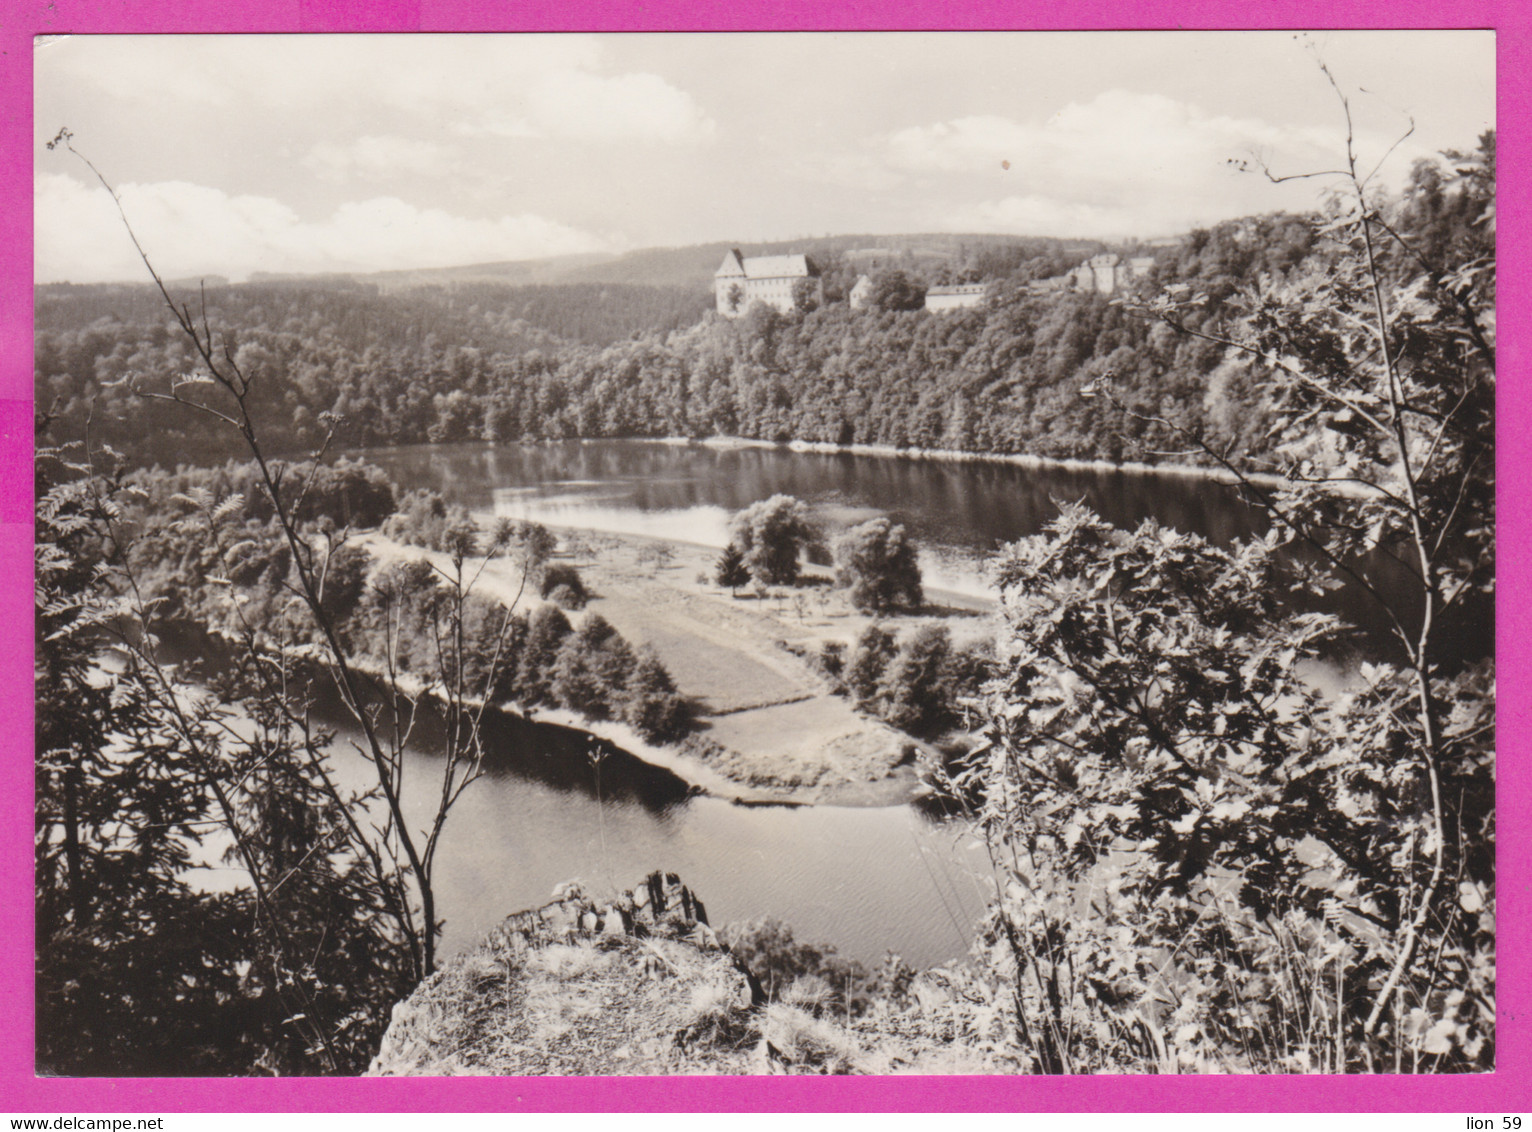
(1505,1091)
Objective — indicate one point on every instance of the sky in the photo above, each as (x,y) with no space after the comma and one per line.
(240,154)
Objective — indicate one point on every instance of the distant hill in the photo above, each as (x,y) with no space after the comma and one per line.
(517,273)
(692,267)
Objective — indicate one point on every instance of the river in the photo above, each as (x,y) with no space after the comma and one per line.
(864,880)
(959,511)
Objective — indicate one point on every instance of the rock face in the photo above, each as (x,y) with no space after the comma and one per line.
(661,905)
(637,985)
(641,985)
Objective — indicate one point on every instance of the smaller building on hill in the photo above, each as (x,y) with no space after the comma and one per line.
(1051,285)
(1110,272)
(860,293)
(955,296)
(776,280)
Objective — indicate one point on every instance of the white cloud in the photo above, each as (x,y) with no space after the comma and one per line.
(1046,216)
(1125,164)
(379,158)
(854,169)
(1117,137)
(190,230)
(502,85)
(580,104)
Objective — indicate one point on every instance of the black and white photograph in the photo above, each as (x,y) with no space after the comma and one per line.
(765,553)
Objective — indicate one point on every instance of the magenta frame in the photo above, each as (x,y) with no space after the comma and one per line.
(1505,1091)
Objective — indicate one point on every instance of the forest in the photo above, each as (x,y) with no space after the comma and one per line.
(508,364)
(1204,862)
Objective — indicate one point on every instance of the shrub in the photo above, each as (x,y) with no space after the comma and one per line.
(781,962)
(561,575)
(771,534)
(878,561)
(1151,697)
(864,674)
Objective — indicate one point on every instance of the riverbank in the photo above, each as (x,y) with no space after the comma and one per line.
(953,455)
(770,729)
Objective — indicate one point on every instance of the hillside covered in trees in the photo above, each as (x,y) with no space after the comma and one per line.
(482,361)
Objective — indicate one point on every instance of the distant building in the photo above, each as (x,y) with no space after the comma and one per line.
(770,279)
(1051,285)
(860,293)
(1107,273)
(954,296)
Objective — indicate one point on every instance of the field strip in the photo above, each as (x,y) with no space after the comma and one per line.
(762,706)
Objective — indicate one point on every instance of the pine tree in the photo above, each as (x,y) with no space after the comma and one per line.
(731,570)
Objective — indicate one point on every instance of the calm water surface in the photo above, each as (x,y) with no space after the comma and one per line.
(553,809)
(864,880)
(960,512)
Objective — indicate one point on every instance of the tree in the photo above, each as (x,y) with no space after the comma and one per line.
(893,290)
(576,684)
(561,576)
(918,686)
(733,297)
(536,544)
(731,570)
(546,629)
(376,874)
(111,838)
(879,563)
(137,972)
(869,662)
(771,534)
(805,295)
(1153,735)
(654,708)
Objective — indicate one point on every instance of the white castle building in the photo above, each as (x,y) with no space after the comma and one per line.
(770,279)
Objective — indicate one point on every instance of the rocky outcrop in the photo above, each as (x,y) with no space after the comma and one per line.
(660,905)
(640,984)
(635,985)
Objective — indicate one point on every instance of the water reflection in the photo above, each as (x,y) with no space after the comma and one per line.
(556,805)
(960,512)
(864,880)
(970,505)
